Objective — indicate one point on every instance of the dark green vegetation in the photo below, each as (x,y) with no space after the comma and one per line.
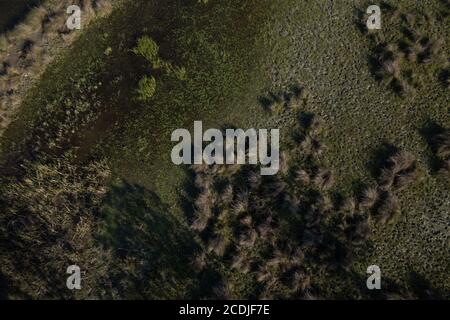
(245,63)
(148,49)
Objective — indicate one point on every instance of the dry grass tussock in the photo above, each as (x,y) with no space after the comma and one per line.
(399,171)
(404,46)
(269,228)
(441,146)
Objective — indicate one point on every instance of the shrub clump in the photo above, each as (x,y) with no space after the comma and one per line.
(148,49)
(146,88)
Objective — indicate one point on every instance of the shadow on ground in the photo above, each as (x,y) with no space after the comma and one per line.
(152,247)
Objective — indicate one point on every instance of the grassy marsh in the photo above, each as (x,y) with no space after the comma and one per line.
(238,57)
